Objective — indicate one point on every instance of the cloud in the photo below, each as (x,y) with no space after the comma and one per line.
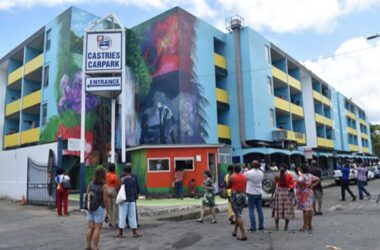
(354,71)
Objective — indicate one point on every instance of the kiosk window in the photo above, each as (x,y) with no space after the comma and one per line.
(159,165)
(185,164)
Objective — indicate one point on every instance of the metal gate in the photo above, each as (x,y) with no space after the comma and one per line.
(41,188)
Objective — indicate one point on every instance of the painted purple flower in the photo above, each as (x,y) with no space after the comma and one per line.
(72,93)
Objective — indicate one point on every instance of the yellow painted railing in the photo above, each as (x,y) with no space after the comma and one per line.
(11,140)
(323,120)
(281,104)
(326,100)
(363,122)
(31,99)
(12,107)
(224,132)
(30,136)
(298,110)
(317,95)
(325,143)
(365,150)
(221,95)
(220,61)
(279,74)
(34,64)
(294,82)
(296,136)
(364,136)
(352,131)
(328,122)
(353,147)
(350,114)
(15,75)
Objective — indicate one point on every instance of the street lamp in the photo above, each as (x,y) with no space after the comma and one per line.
(373,37)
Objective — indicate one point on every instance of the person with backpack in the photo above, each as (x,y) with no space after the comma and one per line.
(208,197)
(97,201)
(63,186)
(127,209)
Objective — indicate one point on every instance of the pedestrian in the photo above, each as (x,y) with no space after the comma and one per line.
(317,189)
(208,197)
(362,181)
(178,182)
(263,165)
(113,184)
(238,184)
(305,184)
(230,171)
(95,217)
(127,209)
(283,197)
(62,192)
(192,188)
(254,192)
(274,167)
(344,182)
(138,191)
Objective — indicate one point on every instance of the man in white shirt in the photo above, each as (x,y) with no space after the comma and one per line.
(254,192)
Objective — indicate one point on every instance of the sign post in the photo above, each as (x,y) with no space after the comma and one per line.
(103,75)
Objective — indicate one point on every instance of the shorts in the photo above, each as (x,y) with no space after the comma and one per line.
(96,216)
(317,194)
(239,201)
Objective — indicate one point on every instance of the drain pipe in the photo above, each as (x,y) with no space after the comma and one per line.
(236,25)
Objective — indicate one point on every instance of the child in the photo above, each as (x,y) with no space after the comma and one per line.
(192,188)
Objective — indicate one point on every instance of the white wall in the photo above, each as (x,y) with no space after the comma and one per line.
(308,105)
(13,168)
(3,84)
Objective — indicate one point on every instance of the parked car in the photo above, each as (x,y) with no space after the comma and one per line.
(353,177)
(376,171)
(370,175)
(269,183)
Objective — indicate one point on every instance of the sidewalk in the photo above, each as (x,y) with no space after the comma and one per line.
(172,209)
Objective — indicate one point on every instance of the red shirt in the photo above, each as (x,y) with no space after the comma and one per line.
(289,181)
(112,180)
(239,183)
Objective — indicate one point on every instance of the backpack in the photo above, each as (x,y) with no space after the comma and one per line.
(92,202)
(66,185)
(216,189)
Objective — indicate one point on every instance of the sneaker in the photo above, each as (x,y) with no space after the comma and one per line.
(251,230)
(354,199)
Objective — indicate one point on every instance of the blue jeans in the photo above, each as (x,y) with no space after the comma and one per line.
(361,188)
(255,200)
(127,209)
(178,189)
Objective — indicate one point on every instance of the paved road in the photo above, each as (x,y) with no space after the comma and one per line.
(349,225)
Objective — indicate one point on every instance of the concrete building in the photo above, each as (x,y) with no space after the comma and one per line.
(188,84)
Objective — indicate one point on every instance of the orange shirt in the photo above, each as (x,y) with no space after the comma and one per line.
(112,180)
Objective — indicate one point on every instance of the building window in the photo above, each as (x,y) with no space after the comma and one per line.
(267,54)
(271,117)
(46,76)
(44,114)
(270,85)
(158,165)
(48,39)
(186,164)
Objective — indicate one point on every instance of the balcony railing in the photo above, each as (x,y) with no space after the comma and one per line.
(294,82)
(297,110)
(363,122)
(353,147)
(34,64)
(221,96)
(11,140)
(281,135)
(220,61)
(30,136)
(364,135)
(224,132)
(281,75)
(323,120)
(325,143)
(31,99)
(281,104)
(15,75)
(352,131)
(12,107)
(350,114)
(365,150)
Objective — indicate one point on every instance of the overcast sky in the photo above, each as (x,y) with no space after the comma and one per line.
(327,35)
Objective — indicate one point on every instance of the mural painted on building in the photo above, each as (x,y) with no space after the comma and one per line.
(169,103)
